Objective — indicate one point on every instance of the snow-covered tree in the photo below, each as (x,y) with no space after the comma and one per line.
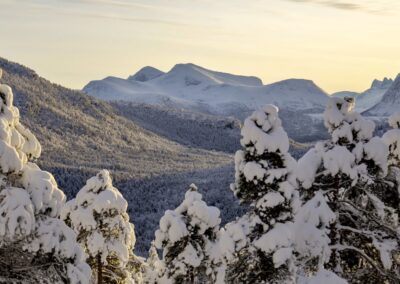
(392,140)
(323,276)
(98,215)
(187,236)
(344,226)
(153,267)
(35,245)
(258,246)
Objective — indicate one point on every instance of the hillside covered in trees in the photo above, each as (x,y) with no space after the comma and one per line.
(328,216)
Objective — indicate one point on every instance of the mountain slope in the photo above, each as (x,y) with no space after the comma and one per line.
(81,135)
(145,74)
(184,127)
(196,88)
(369,97)
(79,131)
(390,101)
(193,75)
(343,94)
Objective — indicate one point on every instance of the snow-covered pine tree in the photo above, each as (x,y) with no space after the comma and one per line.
(187,236)
(35,245)
(153,266)
(344,225)
(98,215)
(392,140)
(258,246)
(389,191)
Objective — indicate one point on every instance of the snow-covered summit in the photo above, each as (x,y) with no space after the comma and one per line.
(296,94)
(193,87)
(145,74)
(191,74)
(384,84)
(390,102)
(370,97)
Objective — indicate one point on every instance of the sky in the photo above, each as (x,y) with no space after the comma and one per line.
(339,44)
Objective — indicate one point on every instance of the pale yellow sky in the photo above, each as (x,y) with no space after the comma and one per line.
(340,44)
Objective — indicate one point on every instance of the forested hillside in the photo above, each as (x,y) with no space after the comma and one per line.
(81,135)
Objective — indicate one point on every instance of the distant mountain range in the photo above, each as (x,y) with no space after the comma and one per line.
(197,89)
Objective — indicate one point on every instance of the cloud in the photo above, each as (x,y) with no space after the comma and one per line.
(342,5)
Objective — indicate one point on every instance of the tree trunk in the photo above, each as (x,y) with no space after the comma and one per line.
(99,270)
(335,234)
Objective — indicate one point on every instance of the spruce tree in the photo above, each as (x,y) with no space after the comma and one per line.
(258,246)
(187,237)
(342,178)
(98,216)
(35,245)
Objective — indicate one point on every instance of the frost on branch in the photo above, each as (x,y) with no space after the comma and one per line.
(263,237)
(187,236)
(344,184)
(17,211)
(322,276)
(312,225)
(98,216)
(34,243)
(392,140)
(153,268)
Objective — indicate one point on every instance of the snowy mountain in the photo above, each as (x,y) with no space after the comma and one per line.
(145,74)
(369,97)
(193,75)
(194,88)
(390,101)
(343,94)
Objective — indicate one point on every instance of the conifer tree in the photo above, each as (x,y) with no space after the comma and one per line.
(258,246)
(344,217)
(153,266)
(98,216)
(392,140)
(187,236)
(35,245)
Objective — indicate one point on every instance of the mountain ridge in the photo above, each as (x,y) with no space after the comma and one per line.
(192,86)
(145,74)
(390,101)
(370,97)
